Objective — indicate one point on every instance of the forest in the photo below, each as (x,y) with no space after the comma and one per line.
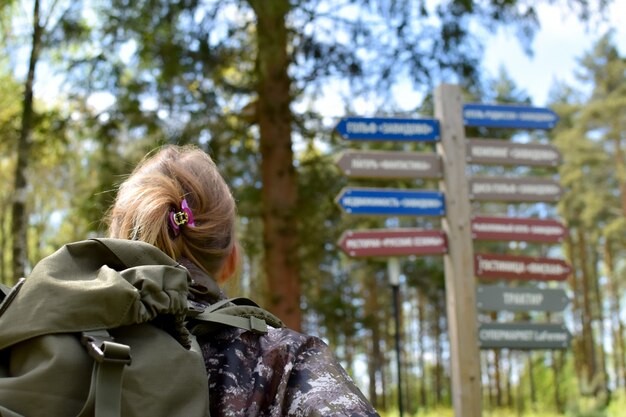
(88,87)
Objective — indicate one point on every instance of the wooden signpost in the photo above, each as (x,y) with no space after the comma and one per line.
(455,241)
(458,263)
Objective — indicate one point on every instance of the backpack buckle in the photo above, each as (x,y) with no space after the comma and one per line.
(102,348)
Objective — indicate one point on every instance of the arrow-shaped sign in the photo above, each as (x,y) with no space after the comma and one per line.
(509,116)
(391,202)
(374,164)
(520,267)
(376,128)
(498,297)
(493,151)
(517,229)
(514,189)
(393,242)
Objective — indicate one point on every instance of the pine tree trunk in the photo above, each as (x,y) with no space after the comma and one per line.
(280,190)
(421,314)
(556,371)
(531,381)
(616,322)
(598,302)
(19,212)
(577,343)
(438,353)
(496,369)
(589,363)
(509,388)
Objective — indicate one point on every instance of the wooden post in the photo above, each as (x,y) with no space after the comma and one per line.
(459,262)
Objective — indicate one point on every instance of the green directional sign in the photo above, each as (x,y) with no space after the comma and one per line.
(523,335)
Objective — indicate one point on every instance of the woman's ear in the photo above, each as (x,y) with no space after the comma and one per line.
(230,265)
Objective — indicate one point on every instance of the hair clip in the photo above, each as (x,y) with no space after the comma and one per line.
(185,216)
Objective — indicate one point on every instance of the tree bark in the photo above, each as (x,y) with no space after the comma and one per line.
(280,189)
(19,211)
(556,371)
(617,324)
(496,369)
(577,344)
(599,311)
(438,351)
(531,381)
(421,312)
(589,363)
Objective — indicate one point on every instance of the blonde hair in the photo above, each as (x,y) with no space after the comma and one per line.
(157,186)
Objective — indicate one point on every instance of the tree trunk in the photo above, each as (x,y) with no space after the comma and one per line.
(280,188)
(589,363)
(598,302)
(531,381)
(19,213)
(616,323)
(421,314)
(496,369)
(438,352)
(577,343)
(556,371)
(509,389)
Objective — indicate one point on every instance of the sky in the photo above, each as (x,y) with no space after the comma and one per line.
(557,46)
(560,42)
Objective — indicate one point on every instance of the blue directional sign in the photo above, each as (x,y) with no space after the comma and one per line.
(509,116)
(365,128)
(384,201)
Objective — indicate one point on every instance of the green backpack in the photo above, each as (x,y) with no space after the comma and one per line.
(103,328)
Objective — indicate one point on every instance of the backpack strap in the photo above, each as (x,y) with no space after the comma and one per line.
(239,312)
(7,294)
(110,359)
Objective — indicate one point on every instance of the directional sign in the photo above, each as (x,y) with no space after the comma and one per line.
(516,117)
(503,152)
(514,189)
(365,128)
(523,335)
(498,297)
(383,201)
(390,164)
(520,267)
(393,242)
(517,229)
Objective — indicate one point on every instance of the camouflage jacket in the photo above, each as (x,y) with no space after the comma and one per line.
(281,373)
